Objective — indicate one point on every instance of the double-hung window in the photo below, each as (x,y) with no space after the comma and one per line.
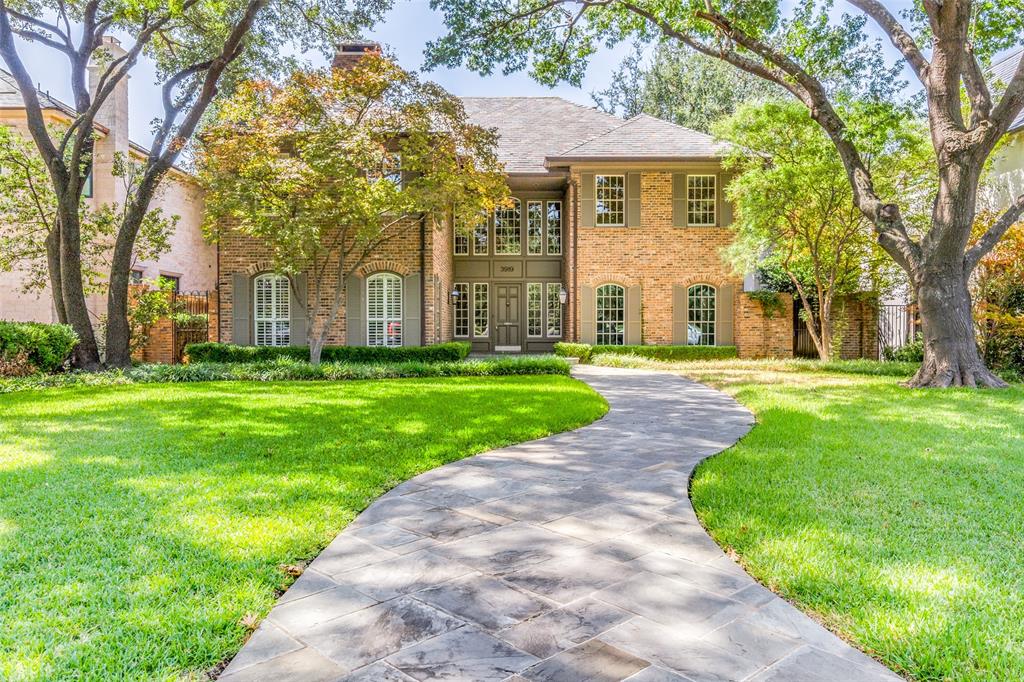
(271,310)
(384,310)
(507,228)
(610,192)
(701,200)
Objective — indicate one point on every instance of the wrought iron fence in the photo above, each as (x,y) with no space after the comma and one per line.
(898,325)
(190,319)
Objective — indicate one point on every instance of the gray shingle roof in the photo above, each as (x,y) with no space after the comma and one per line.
(533,128)
(10,95)
(646,137)
(1002,73)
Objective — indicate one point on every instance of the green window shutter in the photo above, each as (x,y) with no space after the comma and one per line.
(355,311)
(680,319)
(724,315)
(588,328)
(588,200)
(241,309)
(634,316)
(633,193)
(724,206)
(297,306)
(679,200)
(411,313)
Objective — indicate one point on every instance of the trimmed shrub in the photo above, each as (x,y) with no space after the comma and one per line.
(288,369)
(675,353)
(912,352)
(46,347)
(583,351)
(229,353)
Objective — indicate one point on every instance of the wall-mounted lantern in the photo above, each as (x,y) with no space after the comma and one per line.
(563,295)
(453,296)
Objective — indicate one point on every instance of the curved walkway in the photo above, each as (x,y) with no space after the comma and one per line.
(574,557)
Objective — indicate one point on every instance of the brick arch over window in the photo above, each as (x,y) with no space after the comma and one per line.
(382,265)
(619,278)
(259,268)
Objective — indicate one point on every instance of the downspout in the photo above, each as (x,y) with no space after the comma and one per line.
(575,257)
(220,312)
(423,279)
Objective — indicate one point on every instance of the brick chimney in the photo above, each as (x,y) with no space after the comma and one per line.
(113,115)
(348,54)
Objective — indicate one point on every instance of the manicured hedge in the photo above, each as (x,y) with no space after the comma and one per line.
(47,346)
(226,352)
(585,351)
(288,369)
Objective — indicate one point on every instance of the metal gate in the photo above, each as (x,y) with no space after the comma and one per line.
(190,319)
(898,325)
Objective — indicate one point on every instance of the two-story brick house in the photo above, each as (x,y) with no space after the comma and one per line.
(613,237)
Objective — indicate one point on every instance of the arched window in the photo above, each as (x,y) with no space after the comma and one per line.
(700,330)
(271,310)
(384,310)
(611,315)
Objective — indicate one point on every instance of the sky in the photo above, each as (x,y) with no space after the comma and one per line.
(404,31)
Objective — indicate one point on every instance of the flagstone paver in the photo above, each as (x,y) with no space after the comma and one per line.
(573,557)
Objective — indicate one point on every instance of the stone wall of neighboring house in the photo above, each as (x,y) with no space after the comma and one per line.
(659,259)
(241,255)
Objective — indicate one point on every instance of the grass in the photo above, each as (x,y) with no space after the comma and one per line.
(141,525)
(894,516)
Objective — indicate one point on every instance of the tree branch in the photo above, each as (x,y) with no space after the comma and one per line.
(994,233)
(902,40)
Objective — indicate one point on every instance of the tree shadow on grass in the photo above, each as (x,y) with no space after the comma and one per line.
(141,523)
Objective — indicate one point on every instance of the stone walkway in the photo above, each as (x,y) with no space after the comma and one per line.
(574,557)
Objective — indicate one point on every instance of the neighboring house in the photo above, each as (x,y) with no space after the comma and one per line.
(191,262)
(614,237)
(1008,165)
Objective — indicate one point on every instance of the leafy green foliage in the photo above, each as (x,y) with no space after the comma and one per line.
(586,352)
(998,292)
(910,352)
(46,346)
(142,524)
(582,351)
(225,352)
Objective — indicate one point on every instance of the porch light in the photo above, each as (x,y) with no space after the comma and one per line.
(453,296)
(563,295)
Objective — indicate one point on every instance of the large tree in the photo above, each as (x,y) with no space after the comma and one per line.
(332,165)
(945,44)
(200,48)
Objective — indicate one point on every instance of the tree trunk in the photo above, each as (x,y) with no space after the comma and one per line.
(951,356)
(53,270)
(86,355)
(316,349)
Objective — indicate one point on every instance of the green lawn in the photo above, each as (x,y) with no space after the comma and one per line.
(140,525)
(895,516)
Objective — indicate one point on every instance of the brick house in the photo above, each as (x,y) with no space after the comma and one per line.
(614,237)
(190,261)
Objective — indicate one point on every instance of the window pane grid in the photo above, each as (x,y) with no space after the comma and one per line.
(480,312)
(555,228)
(611,199)
(271,311)
(384,310)
(701,315)
(700,200)
(534,311)
(611,315)
(535,228)
(554,309)
(462,310)
(460,239)
(507,227)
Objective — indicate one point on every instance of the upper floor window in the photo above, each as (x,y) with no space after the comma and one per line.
(700,200)
(611,315)
(460,239)
(271,310)
(480,238)
(507,228)
(535,228)
(611,200)
(390,170)
(384,310)
(554,228)
(700,329)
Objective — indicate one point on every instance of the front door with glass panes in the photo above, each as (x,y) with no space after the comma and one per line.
(507,328)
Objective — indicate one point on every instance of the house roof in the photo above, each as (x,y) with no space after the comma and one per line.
(10,96)
(645,138)
(1002,72)
(534,128)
